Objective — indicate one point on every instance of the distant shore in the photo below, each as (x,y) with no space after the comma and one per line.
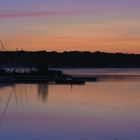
(74,59)
(104,73)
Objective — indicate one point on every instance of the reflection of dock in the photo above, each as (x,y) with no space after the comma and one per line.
(43,92)
(20,96)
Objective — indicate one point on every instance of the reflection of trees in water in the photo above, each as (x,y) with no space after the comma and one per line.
(43,92)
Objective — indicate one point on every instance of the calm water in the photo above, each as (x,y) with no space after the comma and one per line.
(102,110)
(100,72)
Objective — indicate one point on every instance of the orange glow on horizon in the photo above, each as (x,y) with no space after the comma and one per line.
(61,44)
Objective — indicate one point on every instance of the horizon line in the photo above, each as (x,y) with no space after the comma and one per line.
(71,51)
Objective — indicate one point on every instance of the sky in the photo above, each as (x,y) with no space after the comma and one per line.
(69,25)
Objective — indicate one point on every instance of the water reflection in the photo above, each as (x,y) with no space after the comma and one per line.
(100,110)
(20,95)
(22,91)
(43,92)
(5,108)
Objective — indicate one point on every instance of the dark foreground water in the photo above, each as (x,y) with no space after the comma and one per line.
(103,110)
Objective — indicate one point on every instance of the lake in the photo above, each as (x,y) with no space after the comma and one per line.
(102,110)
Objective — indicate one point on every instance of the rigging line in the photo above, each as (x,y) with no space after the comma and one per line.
(2,45)
(16,98)
(5,109)
(3,49)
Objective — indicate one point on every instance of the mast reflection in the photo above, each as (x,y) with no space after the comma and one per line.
(20,94)
(43,92)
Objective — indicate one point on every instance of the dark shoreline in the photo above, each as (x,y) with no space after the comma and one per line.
(74,59)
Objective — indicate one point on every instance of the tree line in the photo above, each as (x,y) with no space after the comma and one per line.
(73,59)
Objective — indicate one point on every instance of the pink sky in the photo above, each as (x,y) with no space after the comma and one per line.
(110,25)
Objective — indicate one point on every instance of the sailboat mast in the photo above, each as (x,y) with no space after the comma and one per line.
(3,49)
(2,45)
